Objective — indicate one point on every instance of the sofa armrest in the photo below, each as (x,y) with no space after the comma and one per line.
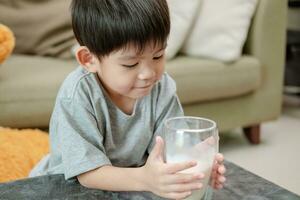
(266,41)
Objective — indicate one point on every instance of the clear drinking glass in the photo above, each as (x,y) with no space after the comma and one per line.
(192,138)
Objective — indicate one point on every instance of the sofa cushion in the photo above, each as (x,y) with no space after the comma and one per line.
(182,16)
(220,29)
(41,27)
(23,77)
(204,79)
(28,88)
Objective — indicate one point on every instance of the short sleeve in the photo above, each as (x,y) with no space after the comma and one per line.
(167,106)
(76,138)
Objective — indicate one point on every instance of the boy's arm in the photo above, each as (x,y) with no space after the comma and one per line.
(155,176)
(113,179)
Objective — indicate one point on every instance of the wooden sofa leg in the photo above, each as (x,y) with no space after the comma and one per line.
(252,133)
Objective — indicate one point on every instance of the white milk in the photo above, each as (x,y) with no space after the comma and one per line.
(204,160)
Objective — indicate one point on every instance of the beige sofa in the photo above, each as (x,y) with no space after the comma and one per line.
(244,93)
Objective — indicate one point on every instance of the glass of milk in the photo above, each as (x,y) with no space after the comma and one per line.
(192,138)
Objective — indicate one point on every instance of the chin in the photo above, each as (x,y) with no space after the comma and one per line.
(141,95)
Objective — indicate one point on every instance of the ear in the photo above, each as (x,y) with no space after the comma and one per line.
(86,59)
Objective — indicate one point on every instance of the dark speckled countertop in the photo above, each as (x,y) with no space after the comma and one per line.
(241,185)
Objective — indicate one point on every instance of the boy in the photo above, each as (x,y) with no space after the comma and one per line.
(106,125)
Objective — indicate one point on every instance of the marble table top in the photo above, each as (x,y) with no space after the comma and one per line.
(241,185)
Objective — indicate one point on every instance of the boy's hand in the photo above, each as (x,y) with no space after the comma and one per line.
(217,176)
(164,180)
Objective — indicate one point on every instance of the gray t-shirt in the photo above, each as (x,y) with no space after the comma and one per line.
(88,131)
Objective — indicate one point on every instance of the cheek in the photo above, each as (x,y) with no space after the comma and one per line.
(124,82)
(160,70)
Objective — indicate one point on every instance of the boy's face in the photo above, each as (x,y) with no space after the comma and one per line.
(127,75)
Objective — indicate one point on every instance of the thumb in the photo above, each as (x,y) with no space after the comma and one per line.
(158,149)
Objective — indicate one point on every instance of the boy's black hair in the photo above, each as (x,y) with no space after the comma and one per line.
(104,26)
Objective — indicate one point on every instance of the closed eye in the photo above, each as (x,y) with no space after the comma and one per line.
(158,57)
(130,66)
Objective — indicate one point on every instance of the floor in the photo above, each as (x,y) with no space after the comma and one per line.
(276,158)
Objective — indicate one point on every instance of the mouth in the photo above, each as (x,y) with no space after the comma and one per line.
(145,86)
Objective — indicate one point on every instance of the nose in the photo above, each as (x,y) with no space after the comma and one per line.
(146,73)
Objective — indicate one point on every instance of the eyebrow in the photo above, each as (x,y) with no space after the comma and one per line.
(133,57)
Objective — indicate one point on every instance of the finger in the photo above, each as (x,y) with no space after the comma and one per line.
(215,170)
(215,166)
(218,186)
(213,176)
(184,178)
(178,195)
(221,179)
(221,169)
(219,158)
(158,148)
(176,167)
(210,140)
(184,187)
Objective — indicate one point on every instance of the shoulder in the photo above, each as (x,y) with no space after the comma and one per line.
(79,83)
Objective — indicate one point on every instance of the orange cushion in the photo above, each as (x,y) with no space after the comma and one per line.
(20,150)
